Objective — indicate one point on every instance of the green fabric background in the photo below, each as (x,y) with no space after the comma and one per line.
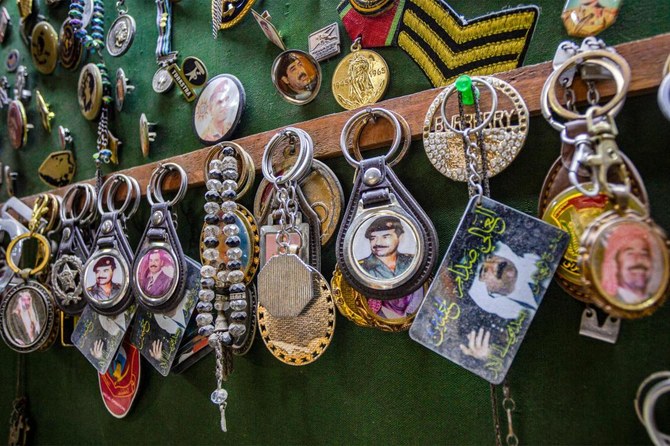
(369,386)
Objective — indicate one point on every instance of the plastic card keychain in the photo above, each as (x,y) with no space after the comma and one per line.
(498,264)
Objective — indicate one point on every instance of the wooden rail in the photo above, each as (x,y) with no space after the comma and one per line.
(646,58)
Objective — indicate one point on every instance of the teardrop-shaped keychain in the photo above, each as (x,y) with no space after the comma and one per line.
(67,274)
(387,246)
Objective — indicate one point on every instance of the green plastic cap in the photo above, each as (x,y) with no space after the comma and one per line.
(464,86)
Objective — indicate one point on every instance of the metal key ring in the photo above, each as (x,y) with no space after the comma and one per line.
(247,170)
(134,194)
(406,140)
(362,114)
(302,163)
(67,210)
(42,240)
(106,196)
(648,408)
(154,189)
(619,69)
(92,213)
(487,119)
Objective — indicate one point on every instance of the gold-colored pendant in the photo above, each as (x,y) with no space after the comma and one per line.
(58,169)
(113,144)
(44,48)
(625,259)
(90,91)
(388,315)
(45,112)
(360,79)
(573,212)
(584,18)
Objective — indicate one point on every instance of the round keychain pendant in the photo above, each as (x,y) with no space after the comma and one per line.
(297,76)
(120,36)
(70,50)
(361,78)
(504,133)
(44,48)
(17,124)
(625,258)
(27,317)
(90,91)
(218,109)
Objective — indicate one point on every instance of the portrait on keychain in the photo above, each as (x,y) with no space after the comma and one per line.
(397,309)
(385,248)
(218,109)
(26,316)
(297,76)
(629,264)
(103,279)
(156,273)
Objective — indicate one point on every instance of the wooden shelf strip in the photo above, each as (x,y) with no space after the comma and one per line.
(646,58)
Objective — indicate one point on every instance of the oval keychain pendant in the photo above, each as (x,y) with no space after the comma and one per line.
(107,272)
(386,247)
(121,32)
(158,271)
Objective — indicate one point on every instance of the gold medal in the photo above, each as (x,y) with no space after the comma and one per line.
(573,212)
(360,79)
(44,48)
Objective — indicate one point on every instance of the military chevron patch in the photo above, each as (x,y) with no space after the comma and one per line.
(444,44)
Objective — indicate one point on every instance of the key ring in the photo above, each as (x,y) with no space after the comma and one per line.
(109,189)
(650,390)
(361,115)
(247,170)
(406,139)
(43,205)
(302,163)
(73,195)
(487,117)
(614,63)
(154,188)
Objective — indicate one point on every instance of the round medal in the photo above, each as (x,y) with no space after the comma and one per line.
(44,48)
(90,91)
(218,109)
(120,36)
(360,79)
(297,76)
(27,317)
(71,49)
(162,82)
(504,135)
(17,125)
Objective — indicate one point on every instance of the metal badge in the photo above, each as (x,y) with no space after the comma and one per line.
(107,271)
(120,35)
(44,48)
(218,109)
(387,246)
(5,21)
(268,28)
(90,90)
(46,114)
(325,43)
(64,137)
(27,317)
(159,334)
(67,273)
(13,60)
(162,81)
(361,78)
(194,71)
(322,191)
(159,269)
(58,168)
(488,287)
(17,125)
(504,135)
(625,258)
(297,76)
(120,383)
(386,315)
(71,49)
(147,134)
(26,7)
(123,88)
(178,77)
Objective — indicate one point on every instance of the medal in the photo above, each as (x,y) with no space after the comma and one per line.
(121,33)
(90,91)
(194,71)
(297,77)
(386,247)
(147,134)
(360,79)
(107,271)
(162,81)
(44,48)
(218,109)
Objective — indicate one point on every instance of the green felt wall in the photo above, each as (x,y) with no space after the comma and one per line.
(369,387)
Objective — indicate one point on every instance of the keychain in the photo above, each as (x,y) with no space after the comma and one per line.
(386,247)
(296,314)
(27,312)
(67,273)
